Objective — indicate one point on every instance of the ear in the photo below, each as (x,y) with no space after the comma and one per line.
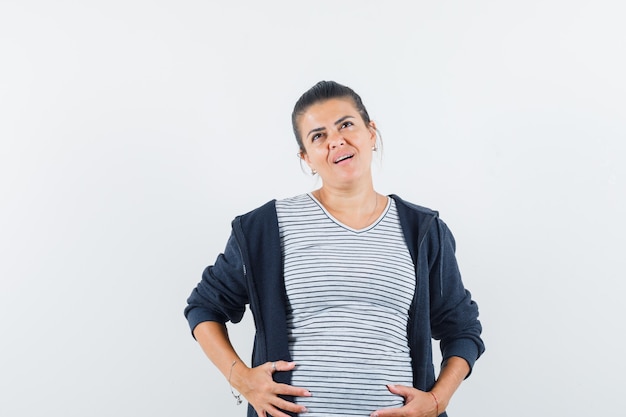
(305,158)
(372,128)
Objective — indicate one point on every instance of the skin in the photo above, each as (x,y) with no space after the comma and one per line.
(255,384)
(330,130)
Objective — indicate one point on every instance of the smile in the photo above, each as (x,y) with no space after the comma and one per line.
(343,158)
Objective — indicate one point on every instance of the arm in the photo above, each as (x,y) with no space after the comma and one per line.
(214,341)
(454,321)
(255,384)
(453,372)
(221,296)
(453,312)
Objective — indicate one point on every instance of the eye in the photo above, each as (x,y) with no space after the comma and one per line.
(315,137)
(346,124)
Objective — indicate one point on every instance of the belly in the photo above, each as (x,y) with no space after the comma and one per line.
(348,376)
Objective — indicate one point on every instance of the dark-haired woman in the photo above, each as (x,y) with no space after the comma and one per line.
(347,287)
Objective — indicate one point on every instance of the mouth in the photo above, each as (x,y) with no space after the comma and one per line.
(343,158)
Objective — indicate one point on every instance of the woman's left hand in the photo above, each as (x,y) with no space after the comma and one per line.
(416,403)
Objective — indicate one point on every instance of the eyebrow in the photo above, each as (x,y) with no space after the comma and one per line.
(319,129)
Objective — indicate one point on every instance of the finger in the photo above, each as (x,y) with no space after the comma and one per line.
(395,412)
(404,391)
(281,366)
(392,412)
(278,408)
(275,412)
(289,406)
(284,389)
(401,390)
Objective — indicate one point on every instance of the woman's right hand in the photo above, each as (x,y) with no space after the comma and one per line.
(255,384)
(258,387)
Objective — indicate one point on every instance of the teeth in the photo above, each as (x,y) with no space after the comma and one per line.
(342,158)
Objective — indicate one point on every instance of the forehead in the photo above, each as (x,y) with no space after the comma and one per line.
(328,111)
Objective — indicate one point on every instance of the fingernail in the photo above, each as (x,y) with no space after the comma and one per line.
(304,410)
(307,394)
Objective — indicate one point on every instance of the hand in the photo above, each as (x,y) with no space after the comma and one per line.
(258,387)
(416,403)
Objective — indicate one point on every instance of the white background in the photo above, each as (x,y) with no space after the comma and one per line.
(132,132)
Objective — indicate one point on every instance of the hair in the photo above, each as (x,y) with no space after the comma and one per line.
(322,91)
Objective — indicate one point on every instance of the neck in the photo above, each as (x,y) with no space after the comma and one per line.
(357,208)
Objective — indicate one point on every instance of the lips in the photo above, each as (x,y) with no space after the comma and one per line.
(343,158)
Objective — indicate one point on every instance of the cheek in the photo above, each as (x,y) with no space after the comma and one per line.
(315,156)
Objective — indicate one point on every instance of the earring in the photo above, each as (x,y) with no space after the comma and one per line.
(374,148)
(313,172)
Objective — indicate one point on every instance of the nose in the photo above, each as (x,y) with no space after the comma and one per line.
(335,140)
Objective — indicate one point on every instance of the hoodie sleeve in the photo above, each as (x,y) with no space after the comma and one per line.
(222,294)
(454,315)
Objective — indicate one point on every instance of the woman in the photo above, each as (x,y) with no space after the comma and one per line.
(347,287)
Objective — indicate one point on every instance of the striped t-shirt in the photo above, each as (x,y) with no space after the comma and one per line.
(349,293)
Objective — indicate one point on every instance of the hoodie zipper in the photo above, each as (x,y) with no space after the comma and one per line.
(252,295)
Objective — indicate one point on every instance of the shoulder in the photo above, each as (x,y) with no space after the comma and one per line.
(266,215)
(418,222)
(261,214)
(271,206)
(413,209)
(258,226)
(421,214)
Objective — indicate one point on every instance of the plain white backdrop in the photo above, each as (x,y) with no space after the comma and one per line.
(132,132)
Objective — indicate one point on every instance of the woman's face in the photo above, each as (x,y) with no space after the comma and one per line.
(337,142)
